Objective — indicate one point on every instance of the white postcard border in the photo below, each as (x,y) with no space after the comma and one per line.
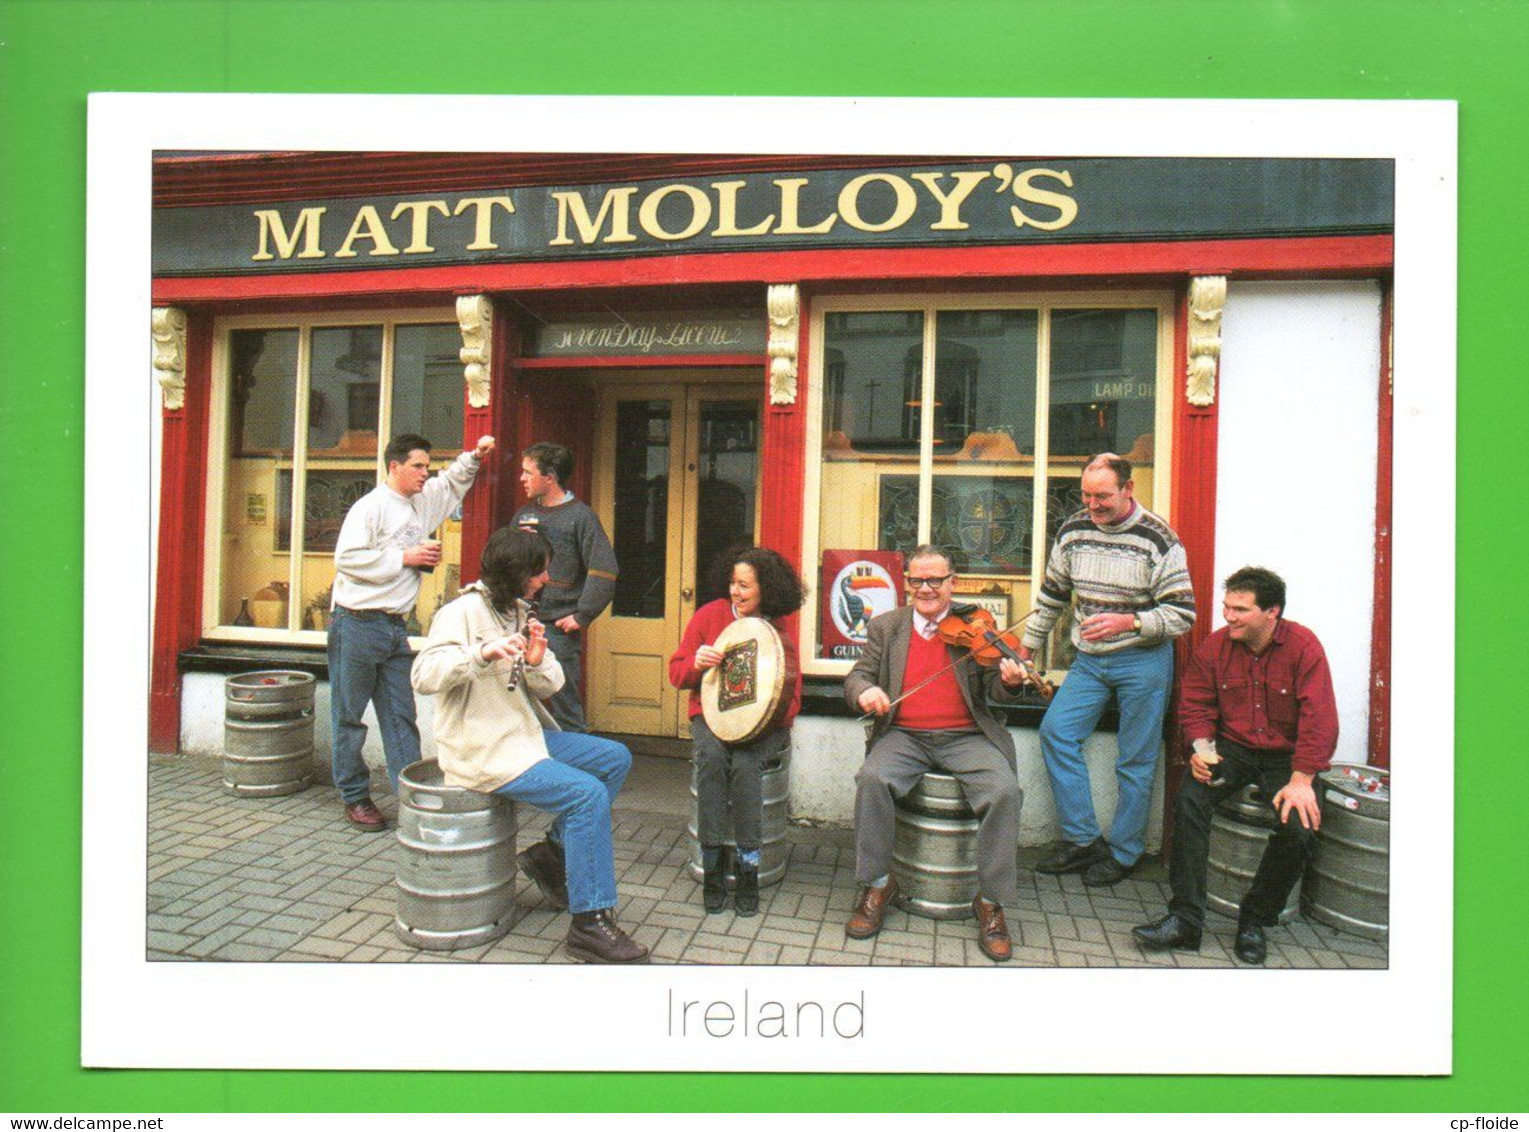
(489,1016)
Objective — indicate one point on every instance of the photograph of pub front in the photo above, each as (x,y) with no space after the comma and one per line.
(839,359)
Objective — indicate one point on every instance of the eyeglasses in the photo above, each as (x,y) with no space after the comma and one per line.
(932,583)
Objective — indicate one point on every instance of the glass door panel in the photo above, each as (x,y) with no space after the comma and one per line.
(676,485)
(640,527)
(727,479)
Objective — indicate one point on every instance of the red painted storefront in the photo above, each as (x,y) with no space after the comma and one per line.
(524,406)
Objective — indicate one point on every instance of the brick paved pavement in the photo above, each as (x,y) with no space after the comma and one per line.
(287,879)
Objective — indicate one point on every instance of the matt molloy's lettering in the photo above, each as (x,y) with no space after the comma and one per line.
(670,213)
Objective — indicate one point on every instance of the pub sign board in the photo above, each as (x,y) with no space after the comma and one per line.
(611,334)
(948,204)
(858,585)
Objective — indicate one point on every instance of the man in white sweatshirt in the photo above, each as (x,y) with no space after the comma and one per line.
(383,546)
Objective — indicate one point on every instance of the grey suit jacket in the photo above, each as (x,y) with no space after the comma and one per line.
(885,657)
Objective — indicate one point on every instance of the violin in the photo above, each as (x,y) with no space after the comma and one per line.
(975,629)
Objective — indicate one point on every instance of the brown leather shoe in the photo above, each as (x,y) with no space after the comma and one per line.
(866,920)
(595,938)
(364,815)
(992,932)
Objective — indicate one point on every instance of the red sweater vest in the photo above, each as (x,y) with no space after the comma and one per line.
(938,706)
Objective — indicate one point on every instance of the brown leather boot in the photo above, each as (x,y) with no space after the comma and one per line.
(992,932)
(543,863)
(595,938)
(866,920)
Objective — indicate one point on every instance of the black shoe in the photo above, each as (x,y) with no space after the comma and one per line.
(714,886)
(1250,946)
(1074,858)
(746,890)
(543,863)
(1169,932)
(1107,871)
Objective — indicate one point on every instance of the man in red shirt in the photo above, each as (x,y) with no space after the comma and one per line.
(946,726)
(1257,705)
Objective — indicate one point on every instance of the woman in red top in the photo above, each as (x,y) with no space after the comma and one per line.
(730,776)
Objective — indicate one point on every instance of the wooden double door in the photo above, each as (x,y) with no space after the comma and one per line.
(675,483)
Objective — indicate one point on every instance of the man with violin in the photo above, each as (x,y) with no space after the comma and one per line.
(930,699)
(1125,570)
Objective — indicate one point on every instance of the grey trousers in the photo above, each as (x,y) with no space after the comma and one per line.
(730,784)
(893,767)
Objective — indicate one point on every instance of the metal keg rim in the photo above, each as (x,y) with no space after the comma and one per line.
(1247,806)
(1338,777)
(268,678)
(412,774)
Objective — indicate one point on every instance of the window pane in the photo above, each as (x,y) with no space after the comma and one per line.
(261,404)
(343,391)
(428,387)
(263,391)
(428,391)
(983,521)
(1103,382)
(1103,399)
(984,384)
(872,375)
(641,528)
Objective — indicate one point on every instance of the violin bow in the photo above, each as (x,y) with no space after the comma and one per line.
(1032,675)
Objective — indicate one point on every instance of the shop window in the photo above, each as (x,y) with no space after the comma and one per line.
(308,410)
(968,427)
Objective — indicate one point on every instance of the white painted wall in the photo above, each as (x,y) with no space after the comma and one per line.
(1298,392)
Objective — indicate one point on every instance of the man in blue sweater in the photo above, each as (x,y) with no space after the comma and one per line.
(583,568)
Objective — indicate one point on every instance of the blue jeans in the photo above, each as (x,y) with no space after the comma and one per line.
(1140,679)
(567,705)
(579,784)
(369,660)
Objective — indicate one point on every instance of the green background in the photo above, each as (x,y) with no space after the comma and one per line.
(52,53)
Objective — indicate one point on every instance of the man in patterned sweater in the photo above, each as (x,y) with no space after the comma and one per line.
(583,568)
(1126,570)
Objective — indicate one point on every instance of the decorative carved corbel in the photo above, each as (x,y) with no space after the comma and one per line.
(784,304)
(168,325)
(475,317)
(1207,299)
